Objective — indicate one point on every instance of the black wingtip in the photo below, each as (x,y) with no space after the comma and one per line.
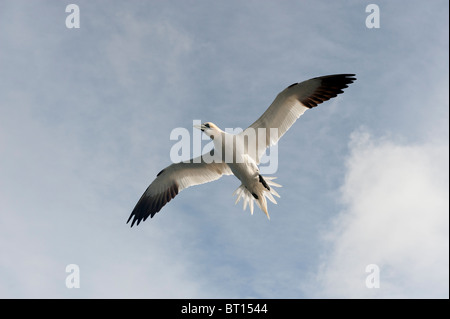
(129,218)
(150,204)
(330,86)
(338,79)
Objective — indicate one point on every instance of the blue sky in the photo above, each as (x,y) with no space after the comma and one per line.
(85,120)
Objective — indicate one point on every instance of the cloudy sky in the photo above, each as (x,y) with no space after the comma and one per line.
(85,121)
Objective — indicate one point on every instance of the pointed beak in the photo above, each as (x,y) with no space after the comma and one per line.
(200,127)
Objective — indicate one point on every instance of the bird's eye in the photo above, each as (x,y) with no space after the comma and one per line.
(207,125)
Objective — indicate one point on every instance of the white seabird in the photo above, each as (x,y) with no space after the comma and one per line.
(287,107)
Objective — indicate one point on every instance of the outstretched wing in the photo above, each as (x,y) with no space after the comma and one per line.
(291,103)
(172,180)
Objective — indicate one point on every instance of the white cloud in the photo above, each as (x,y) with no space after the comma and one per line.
(395,216)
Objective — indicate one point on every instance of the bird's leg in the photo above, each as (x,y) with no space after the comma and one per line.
(262,181)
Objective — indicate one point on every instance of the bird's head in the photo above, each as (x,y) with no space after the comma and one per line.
(209,129)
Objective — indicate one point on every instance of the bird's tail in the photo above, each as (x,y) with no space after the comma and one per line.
(260,196)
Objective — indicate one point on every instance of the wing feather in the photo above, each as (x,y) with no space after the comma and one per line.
(172,180)
(291,103)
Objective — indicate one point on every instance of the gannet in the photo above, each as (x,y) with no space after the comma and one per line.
(287,107)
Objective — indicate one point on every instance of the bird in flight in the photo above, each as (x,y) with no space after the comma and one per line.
(246,149)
